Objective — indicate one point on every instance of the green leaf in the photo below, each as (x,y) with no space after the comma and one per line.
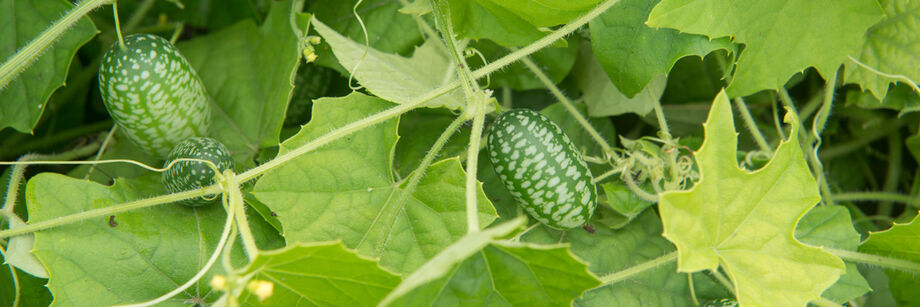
(345,190)
(901,241)
(832,227)
(513,22)
(388,30)
(633,54)
(744,221)
(781,37)
(602,96)
(321,274)
(250,83)
(23,100)
(608,251)
(624,201)
(900,97)
(395,78)
(93,263)
(890,47)
(508,274)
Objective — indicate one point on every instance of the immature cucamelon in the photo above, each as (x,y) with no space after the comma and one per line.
(542,169)
(188,175)
(153,94)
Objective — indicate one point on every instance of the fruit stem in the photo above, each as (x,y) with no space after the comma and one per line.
(31,52)
(870,259)
(638,269)
(121,39)
(567,103)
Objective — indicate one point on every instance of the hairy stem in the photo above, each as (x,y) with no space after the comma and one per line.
(567,103)
(441,12)
(137,204)
(638,269)
(419,171)
(472,163)
(811,152)
(18,171)
(25,56)
(395,111)
(870,259)
(752,126)
(239,213)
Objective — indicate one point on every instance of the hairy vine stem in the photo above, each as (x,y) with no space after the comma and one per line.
(133,205)
(638,269)
(396,111)
(752,126)
(871,259)
(25,56)
(235,197)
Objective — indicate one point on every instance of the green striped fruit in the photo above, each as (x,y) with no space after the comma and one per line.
(153,94)
(190,175)
(542,169)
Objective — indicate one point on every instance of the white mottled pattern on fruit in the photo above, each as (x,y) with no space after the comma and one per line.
(153,94)
(547,175)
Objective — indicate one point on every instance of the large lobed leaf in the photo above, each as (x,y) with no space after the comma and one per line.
(891,47)
(318,274)
(901,241)
(248,72)
(744,221)
(23,100)
(603,98)
(395,78)
(346,190)
(633,54)
(832,227)
(781,37)
(513,22)
(132,256)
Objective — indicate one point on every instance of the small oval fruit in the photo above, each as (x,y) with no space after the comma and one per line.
(189,175)
(154,96)
(542,169)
